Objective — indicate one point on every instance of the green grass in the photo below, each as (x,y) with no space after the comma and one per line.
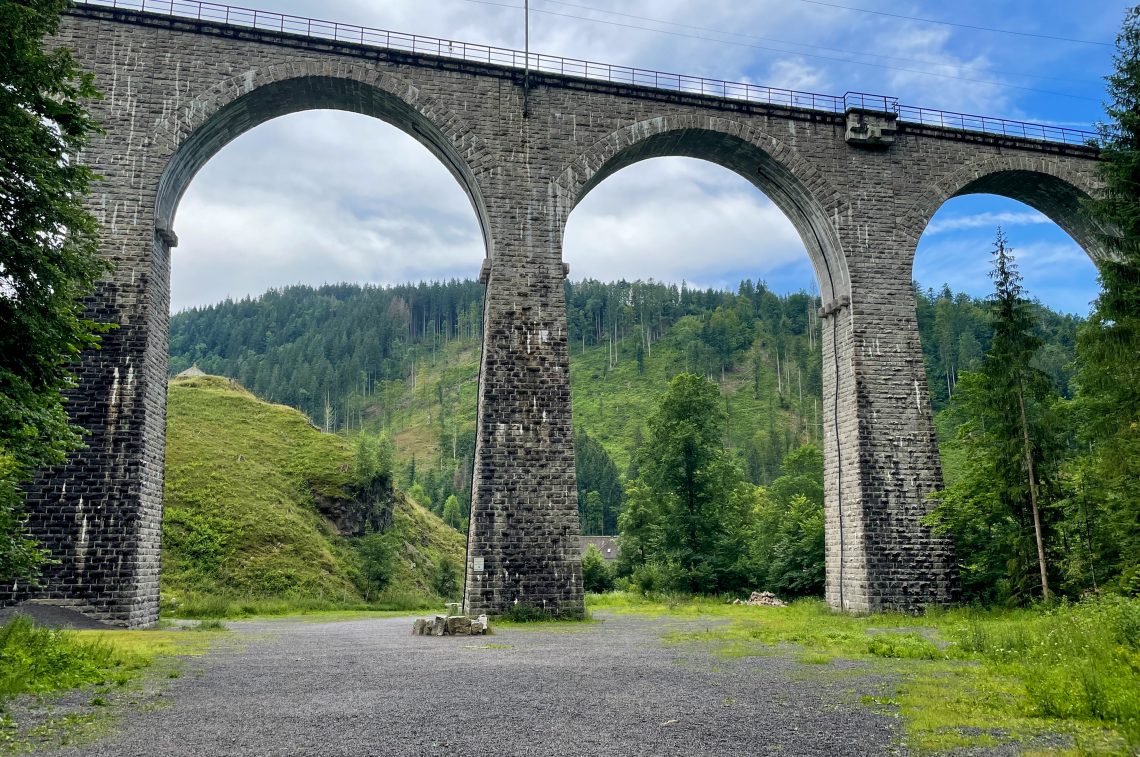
(37,660)
(968,677)
(242,533)
(40,661)
(612,404)
(206,606)
(241,477)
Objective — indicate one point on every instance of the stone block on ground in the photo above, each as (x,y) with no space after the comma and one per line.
(761,599)
(451,625)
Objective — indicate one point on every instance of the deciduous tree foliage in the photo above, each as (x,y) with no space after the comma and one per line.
(48,256)
(596,573)
(786,532)
(687,511)
(451,514)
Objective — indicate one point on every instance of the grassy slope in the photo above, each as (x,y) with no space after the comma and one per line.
(415,426)
(611,405)
(241,478)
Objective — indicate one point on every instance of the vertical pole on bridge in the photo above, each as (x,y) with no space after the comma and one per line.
(526,55)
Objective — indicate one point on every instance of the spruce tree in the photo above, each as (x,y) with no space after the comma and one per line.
(1011,444)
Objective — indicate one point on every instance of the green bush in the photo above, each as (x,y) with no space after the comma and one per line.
(649,578)
(446,581)
(522,613)
(596,574)
(377,554)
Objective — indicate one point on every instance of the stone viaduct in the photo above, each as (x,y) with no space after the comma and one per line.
(859,184)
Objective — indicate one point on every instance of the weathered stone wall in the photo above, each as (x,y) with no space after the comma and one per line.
(177,90)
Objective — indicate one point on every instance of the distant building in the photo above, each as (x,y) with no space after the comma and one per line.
(192,372)
(607,545)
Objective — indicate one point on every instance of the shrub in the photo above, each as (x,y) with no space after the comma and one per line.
(649,578)
(446,580)
(377,555)
(596,574)
(522,613)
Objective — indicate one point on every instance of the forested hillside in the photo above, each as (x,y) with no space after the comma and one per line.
(404,360)
(956,332)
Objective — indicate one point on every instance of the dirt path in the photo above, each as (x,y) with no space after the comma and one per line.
(367,687)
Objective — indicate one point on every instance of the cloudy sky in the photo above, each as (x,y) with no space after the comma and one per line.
(325,196)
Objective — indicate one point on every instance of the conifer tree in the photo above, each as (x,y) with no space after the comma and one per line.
(1108,348)
(1012,447)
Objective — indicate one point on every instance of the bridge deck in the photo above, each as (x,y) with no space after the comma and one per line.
(637,80)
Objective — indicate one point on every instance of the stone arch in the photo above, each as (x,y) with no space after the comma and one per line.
(1044,183)
(805,196)
(190,133)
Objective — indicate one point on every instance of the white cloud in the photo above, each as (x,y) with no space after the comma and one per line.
(679,218)
(320,197)
(986,221)
(797,73)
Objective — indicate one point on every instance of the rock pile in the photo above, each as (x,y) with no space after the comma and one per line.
(450,625)
(761,599)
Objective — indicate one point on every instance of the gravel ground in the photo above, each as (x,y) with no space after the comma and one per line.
(368,687)
(51,616)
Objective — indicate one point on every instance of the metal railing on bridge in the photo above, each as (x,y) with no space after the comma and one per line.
(697,85)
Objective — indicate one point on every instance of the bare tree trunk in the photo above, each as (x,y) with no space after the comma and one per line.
(1033,494)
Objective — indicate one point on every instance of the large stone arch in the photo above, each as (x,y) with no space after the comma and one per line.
(817,209)
(191,132)
(1044,183)
(804,194)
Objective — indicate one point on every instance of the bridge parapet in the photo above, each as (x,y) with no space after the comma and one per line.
(286,25)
